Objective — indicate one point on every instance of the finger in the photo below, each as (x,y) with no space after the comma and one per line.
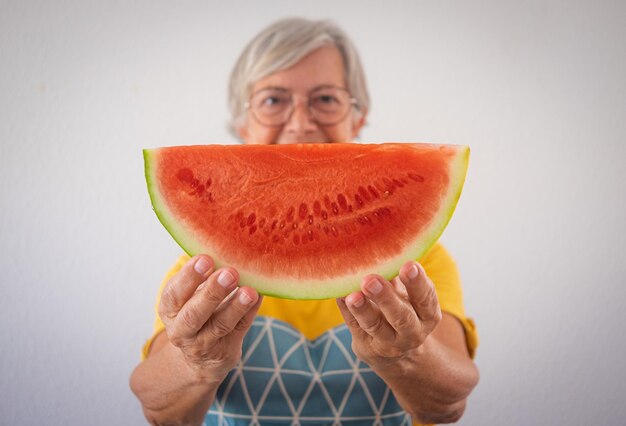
(182,286)
(245,323)
(369,316)
(393,309)
(196,312)
(399,287)
(351,322)
(225,319)
(422,295)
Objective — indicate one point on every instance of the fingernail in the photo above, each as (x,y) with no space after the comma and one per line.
(374,287)
(412,272)
(244,299)
(225,279)
(202,266)
(357,302)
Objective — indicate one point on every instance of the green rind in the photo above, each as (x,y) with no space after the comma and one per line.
(316,289)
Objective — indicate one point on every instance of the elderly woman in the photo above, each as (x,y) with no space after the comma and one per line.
(391,353)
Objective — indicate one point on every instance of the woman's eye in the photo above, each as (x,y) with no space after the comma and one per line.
(326,99)
(272,100)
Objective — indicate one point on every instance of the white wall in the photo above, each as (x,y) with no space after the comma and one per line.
(536,88)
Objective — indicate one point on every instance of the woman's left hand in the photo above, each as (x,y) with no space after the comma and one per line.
(389,320)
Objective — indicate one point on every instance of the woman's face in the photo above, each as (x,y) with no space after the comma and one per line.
(322,67)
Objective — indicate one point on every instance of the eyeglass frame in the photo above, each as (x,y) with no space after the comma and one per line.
(352,103)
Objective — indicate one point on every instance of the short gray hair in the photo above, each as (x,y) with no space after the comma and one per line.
(282,45)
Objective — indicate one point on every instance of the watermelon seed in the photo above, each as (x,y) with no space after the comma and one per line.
(295,225)
(303,211)
(342,201)
(296,239)
(185,175)
(416,178)
(310,219)
(384,211)
(251,218)
(335,208)
(334,231)
(275,238)
(208,182)
(242,224)
(282,224)
(304,240)
(358,199)
(364,193)
(274,224)
(253,229)
(310,235)
(398,183)
(324,215)
(317,208)
(373,191)
(290,214)
(386,194)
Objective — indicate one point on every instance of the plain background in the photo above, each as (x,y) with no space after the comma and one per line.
(536,88)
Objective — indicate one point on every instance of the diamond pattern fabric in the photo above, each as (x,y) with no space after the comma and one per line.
(285,379)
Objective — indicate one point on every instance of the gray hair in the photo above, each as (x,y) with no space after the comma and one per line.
(282,45)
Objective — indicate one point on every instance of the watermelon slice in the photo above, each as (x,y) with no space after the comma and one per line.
(306,221)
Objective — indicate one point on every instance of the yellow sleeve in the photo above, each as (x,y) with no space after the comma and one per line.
(158,324)
(442,270)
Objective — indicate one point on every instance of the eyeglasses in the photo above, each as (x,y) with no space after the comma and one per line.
(327,104)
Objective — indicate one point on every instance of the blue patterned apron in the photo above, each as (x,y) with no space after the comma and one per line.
(285,379)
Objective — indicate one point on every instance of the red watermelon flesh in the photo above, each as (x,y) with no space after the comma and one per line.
(306,221)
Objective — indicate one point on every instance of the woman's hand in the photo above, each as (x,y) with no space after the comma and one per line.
(206,316)
(390,320)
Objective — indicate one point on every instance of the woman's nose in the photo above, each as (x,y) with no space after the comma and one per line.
(301,119)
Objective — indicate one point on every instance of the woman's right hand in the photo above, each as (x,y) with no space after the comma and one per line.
(206,316)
